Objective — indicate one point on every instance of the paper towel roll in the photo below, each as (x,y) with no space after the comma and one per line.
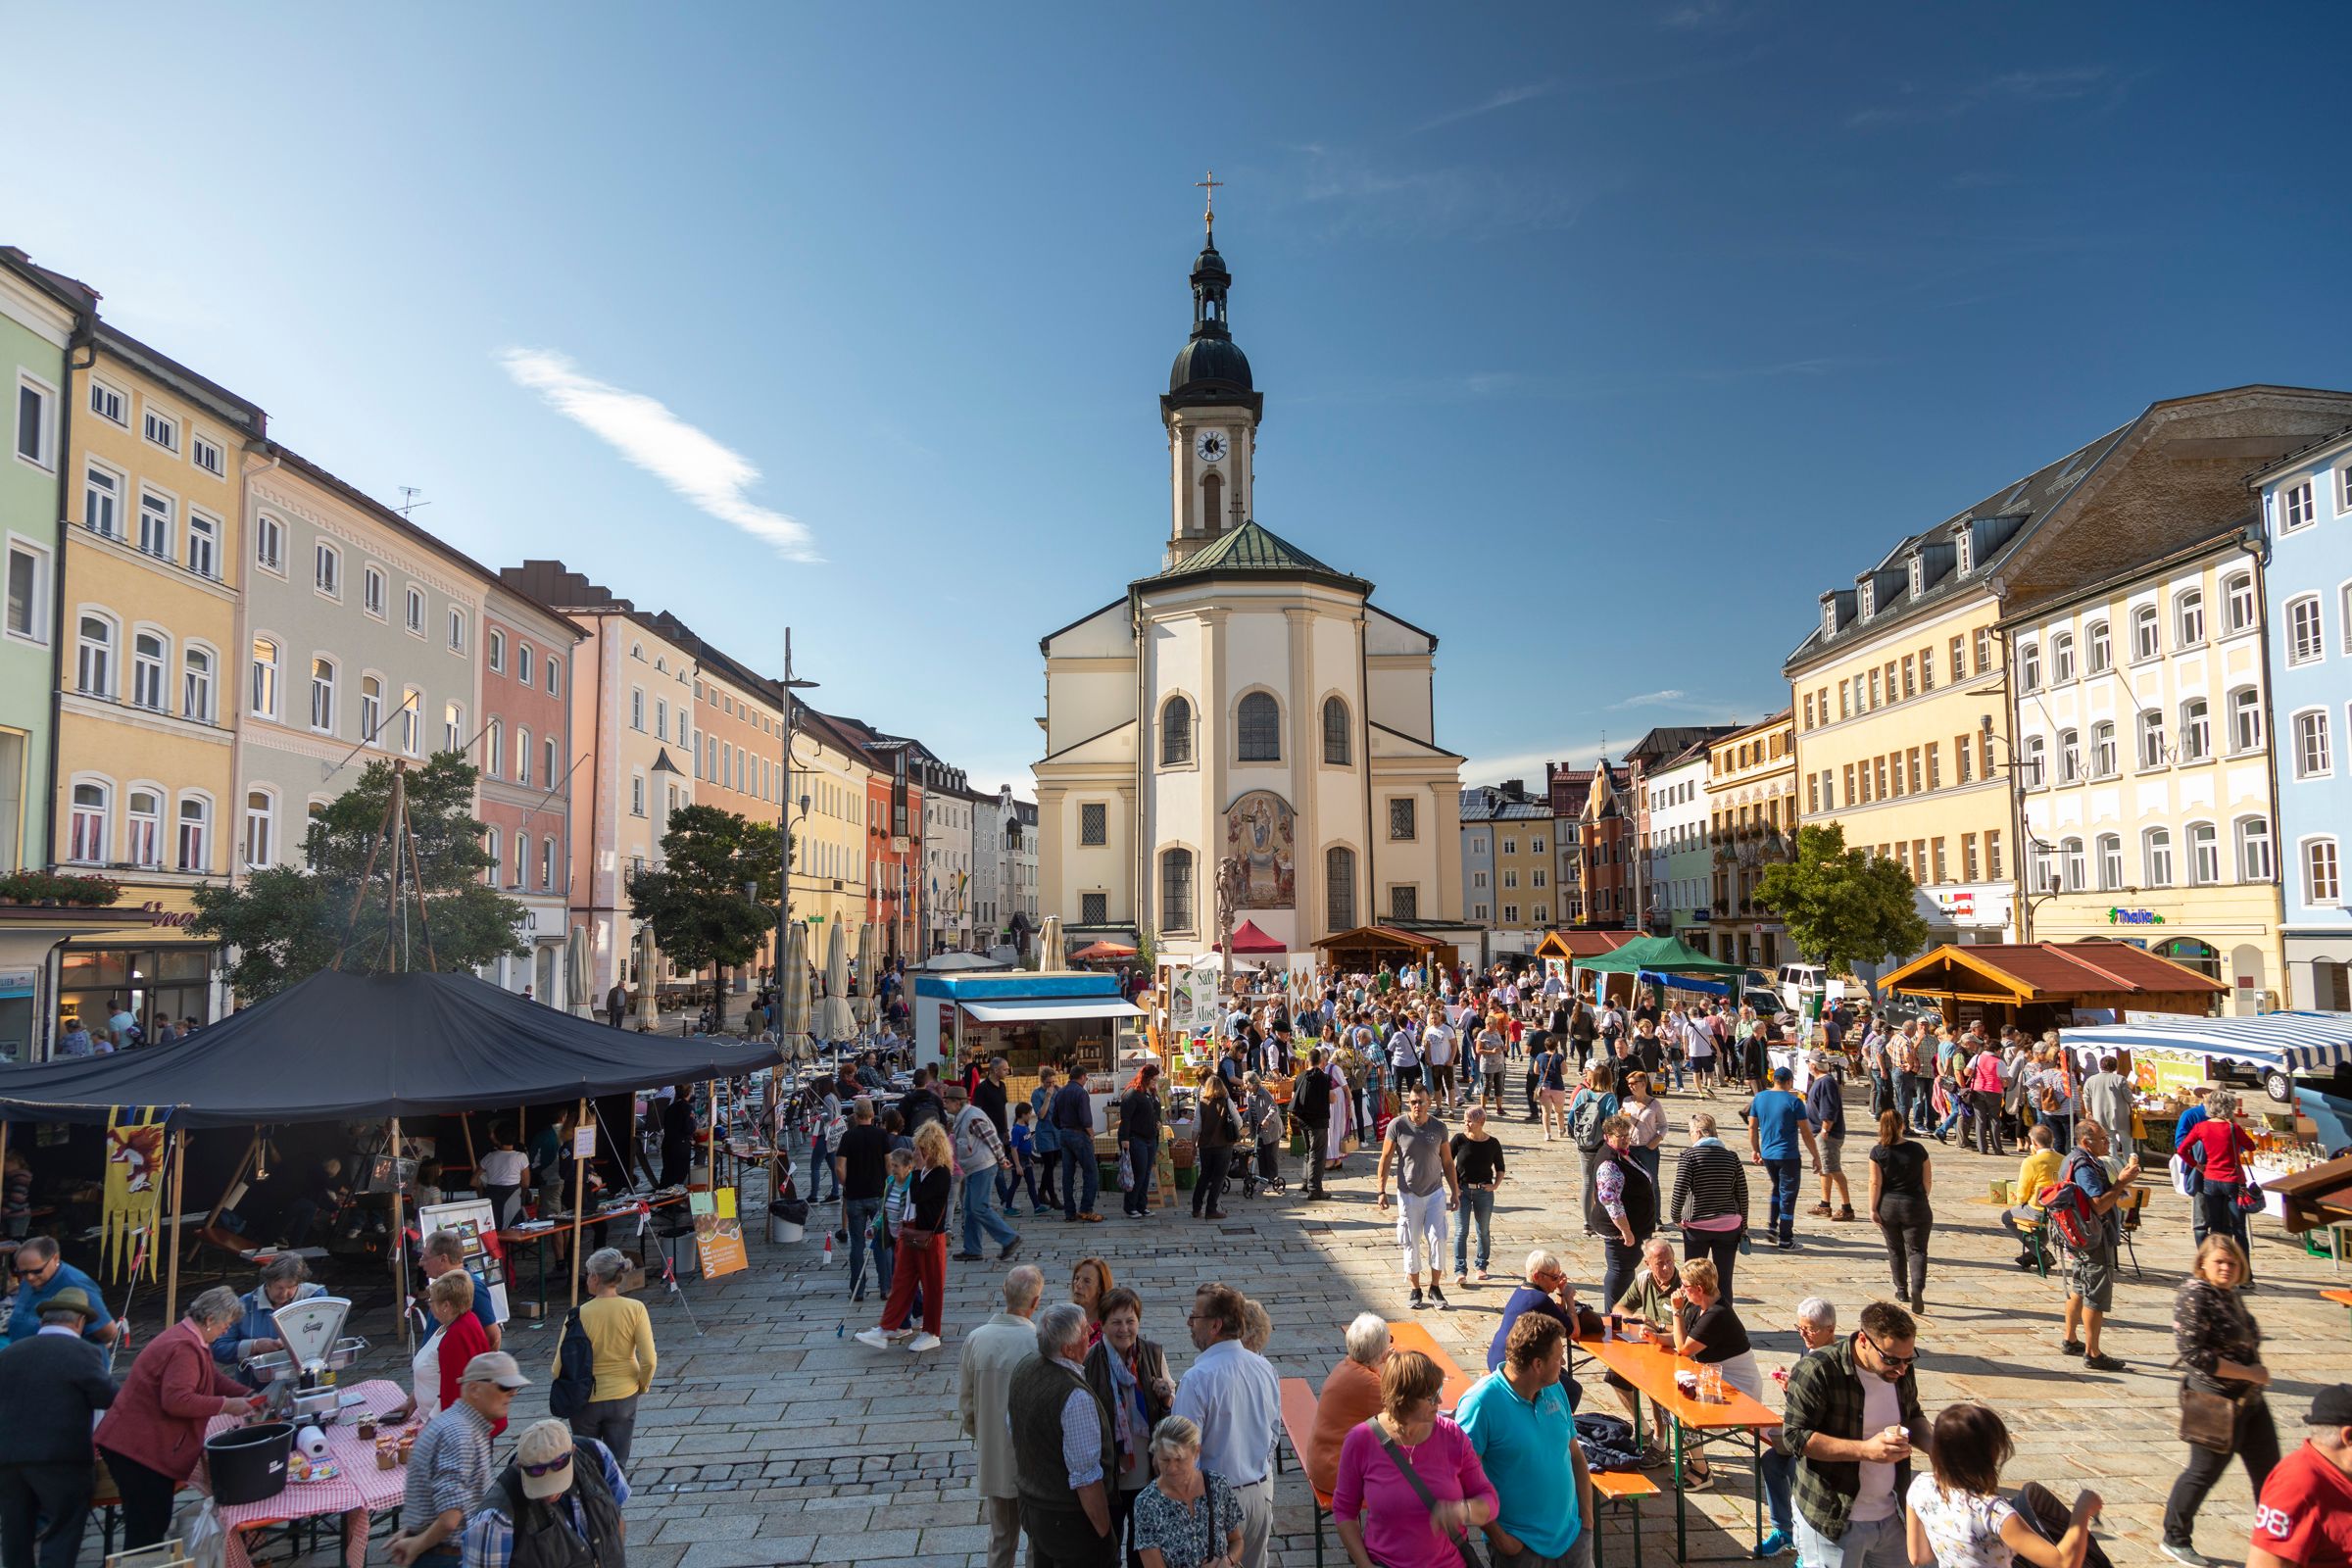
(311,1443)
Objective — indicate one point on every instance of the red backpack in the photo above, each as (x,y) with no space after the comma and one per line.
(2068,1209)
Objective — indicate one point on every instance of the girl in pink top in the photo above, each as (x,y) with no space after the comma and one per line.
(1380,1516)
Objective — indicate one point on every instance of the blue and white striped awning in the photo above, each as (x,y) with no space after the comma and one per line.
(2299,1041)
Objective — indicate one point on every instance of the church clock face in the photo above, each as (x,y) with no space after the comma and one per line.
(1211,445)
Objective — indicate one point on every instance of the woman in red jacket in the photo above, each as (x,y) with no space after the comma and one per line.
(2217,1147)
(154,1435)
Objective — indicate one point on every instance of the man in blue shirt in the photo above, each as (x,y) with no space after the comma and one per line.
(40,1275)
(1776,1123)
(1519,1423)
(1546,1294)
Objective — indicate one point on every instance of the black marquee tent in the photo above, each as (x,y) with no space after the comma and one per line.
(352,1047)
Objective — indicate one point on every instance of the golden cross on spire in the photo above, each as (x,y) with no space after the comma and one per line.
(1208,216)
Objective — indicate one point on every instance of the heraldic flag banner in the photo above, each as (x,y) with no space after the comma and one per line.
(134,1191)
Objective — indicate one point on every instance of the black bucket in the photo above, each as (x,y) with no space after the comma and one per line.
(249,1463)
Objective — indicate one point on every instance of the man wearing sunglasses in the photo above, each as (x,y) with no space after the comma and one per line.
(1853,1421)
(40,1275)
(558,1501)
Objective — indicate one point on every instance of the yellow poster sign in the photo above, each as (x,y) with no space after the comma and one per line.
(134,1189)
(2160,1072)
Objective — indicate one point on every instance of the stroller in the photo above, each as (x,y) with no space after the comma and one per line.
(1265,1130)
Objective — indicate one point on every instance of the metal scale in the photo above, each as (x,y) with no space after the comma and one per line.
(295,1378)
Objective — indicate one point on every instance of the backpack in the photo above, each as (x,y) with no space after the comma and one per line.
(1584,1123)
(575,1371)
(2068,1207)
(2048,1101)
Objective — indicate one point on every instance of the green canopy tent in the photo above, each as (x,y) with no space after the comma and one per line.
(1662,960)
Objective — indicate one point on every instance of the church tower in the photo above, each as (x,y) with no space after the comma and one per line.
(1212,414)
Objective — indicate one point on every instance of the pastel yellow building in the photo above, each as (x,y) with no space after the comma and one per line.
(154,558)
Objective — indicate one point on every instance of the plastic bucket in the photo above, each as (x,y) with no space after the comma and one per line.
(249,1464)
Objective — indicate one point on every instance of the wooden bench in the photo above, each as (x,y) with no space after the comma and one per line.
(1622,1488)
(1298,1425)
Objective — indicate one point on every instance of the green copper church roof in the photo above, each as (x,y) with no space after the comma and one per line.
(1253,550)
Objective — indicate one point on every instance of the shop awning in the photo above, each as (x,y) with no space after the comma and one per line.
(2091,973)
(2300,1042)
(1037,1009)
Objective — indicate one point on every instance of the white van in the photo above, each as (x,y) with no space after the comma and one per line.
(1800,983)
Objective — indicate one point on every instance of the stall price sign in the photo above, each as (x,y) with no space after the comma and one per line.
(583,1141)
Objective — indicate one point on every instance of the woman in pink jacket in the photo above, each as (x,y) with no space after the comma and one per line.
(154,1434)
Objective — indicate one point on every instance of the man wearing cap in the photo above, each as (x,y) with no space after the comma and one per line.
(558,1501)
(448,1469)
(55,1380)
(1825,1113)
(2304,1517)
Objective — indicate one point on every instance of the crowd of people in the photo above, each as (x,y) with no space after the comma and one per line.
(1856,1473)
(1094,1448)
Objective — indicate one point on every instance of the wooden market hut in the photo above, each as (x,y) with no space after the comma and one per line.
(2037,985)
(1365,949)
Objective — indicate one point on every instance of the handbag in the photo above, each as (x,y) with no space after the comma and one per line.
(1471,1559)
(1126,1170)
(2249,1197)
(918,1236)
(2207,1419)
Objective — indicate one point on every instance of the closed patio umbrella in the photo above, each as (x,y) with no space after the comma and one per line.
(794,989)
(867,978)
(1048,946)
(834,1021)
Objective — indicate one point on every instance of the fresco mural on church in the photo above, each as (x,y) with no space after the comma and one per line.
(1259,831)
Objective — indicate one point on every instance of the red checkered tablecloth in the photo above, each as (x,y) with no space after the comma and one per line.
(361,1489)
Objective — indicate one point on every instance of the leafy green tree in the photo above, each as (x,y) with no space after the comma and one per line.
(695,902)
(286,922)
(1844,908)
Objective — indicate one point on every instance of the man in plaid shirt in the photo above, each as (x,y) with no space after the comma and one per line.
(1853,1421)
(567,1493)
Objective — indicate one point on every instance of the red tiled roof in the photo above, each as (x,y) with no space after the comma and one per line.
(2044,969)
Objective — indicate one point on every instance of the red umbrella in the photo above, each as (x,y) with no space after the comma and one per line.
(1248,938)
(1103,950)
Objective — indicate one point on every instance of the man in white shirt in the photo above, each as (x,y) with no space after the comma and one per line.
(1438,1051)
(1235,1399)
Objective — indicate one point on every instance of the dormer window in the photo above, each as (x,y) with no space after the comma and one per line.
(1968,553)
(1869,596)
(1917,573)
(1829,615)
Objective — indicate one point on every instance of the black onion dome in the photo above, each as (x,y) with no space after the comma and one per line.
(1210,365)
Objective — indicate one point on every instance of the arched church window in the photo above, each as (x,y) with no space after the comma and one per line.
(1339,887)
(1213,501)
(1260,723)
(1176,733)
(1334,731)
(1176,890)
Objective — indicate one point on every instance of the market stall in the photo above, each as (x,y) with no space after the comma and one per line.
(2291,1070)
(1031,1020)
(2051,985)
(1560,952)
(1365,949)
(356,1048)
(1666,963)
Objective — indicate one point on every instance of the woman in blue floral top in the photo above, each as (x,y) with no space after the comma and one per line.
(1186,1517)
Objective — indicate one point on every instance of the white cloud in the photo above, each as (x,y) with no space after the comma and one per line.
(710,476)
(1648,700)
(1502,98)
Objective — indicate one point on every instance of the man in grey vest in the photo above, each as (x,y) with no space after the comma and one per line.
(991,1353)
(1061,1449)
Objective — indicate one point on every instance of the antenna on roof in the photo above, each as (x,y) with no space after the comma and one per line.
(407,499)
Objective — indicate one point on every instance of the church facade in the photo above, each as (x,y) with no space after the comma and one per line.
(1245,712)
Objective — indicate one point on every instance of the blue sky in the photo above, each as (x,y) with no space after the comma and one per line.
(1602,338)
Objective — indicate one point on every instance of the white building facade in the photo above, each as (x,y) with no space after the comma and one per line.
(1247,704)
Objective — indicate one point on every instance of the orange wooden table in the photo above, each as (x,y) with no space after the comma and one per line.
(2342,1299)
(1408,1334)
(1650,1368)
